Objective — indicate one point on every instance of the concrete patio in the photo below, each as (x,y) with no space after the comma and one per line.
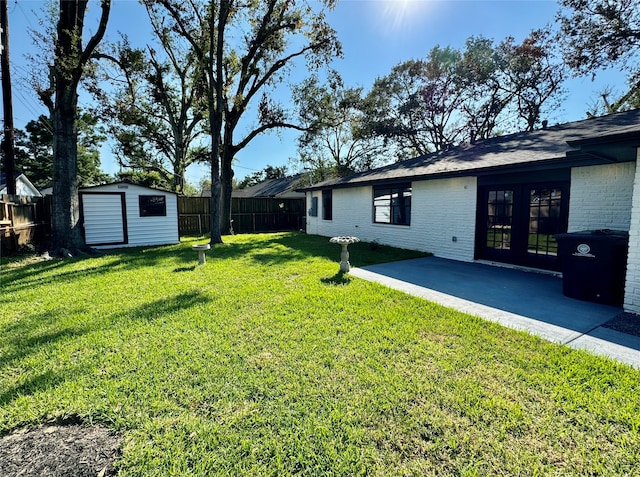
(524,300)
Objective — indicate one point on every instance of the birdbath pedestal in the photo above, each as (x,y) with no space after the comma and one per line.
(344,254)
(201,249)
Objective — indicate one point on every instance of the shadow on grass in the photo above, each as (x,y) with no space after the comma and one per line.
(264,249)
(164,306)
(106,261)
(24,347)
(184,269)
(26,337)
(41,382)
(279,248)
(339,278)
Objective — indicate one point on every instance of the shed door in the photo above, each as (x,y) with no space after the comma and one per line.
(104,217)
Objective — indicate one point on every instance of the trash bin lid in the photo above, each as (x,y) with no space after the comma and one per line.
(600,234)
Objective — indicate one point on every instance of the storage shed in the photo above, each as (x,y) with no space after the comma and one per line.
(122,214)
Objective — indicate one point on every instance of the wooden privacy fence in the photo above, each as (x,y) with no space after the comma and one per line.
(23,220)
(249,215)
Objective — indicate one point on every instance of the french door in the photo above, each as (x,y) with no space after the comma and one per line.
(517,223)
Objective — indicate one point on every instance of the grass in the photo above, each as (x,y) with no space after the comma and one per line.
(267,362)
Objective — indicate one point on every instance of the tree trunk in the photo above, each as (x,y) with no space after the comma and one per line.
(216,235)
(215,97)
(178,177)
(69,63)
(65,219)
(226,178)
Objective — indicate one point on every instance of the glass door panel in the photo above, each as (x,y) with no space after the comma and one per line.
(499,219)
(545,221)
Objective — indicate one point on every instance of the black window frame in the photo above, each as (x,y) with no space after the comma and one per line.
(327,204)
(313,211)
(151,206)
(399,212)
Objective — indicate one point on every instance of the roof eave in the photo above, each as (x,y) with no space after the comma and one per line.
(572,159)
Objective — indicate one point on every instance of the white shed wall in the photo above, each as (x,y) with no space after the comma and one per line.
(145,230)
(440,210)
(632,288)
(601,197)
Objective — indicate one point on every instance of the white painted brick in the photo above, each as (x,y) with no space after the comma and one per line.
(632,288)
(440,209)
(601,197)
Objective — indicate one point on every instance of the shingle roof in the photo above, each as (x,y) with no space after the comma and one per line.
(282,188)
(539,147)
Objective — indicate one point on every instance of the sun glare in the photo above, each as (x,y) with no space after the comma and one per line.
(399,14)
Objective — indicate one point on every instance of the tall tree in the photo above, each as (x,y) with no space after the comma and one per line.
(252,46)
(71,58)
(334,136)
(156,117)
(533,75)
(484,96)
(395,110)
(202,24)
(471,94)
(277,33)
(600,34)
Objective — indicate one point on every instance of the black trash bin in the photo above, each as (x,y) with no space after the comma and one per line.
(594,264)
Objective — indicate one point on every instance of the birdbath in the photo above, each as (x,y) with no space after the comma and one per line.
(201,249)
(344,254)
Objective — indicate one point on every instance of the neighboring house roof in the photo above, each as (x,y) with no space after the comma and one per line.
(281,188)
(23,185)
(586,142)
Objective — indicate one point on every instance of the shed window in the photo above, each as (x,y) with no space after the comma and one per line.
(327,205)
(152,205)
(392,204)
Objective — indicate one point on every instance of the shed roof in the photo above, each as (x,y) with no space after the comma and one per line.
(124,184)
(599,140)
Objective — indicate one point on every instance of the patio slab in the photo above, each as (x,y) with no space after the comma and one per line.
(524,300)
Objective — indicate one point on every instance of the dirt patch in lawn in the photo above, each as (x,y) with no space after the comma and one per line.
(59,451)
(625,323)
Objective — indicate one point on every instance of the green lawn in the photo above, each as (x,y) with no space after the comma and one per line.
(266,362)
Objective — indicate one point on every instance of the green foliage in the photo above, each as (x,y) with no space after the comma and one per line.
(334,137)
(157,117)
(602,34)
(148,179)
(266,361)
(34,151)
(269,172)
(470,94)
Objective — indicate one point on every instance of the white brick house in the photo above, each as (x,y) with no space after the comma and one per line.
(501,200)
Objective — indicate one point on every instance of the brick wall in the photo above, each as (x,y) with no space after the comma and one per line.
(440,210)
(632,288)
(601,197)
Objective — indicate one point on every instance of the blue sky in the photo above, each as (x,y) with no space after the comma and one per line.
(376,35)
